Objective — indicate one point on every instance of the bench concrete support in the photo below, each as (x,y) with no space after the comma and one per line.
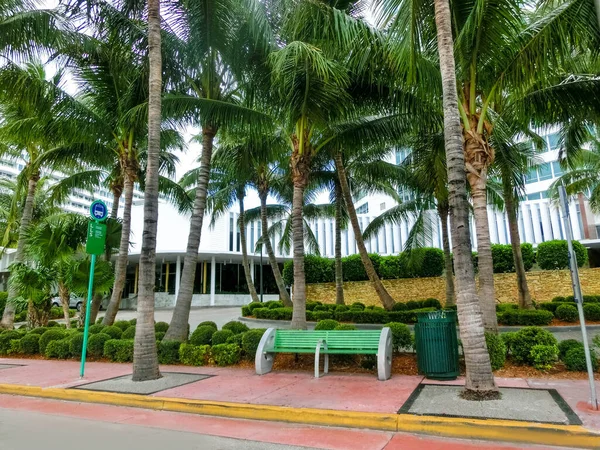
(320,344)
(384,355)
(263,361)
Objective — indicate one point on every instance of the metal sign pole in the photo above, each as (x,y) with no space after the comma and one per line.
(88,308)
(577,292)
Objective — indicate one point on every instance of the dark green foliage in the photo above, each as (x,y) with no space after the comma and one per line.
(56,313)
(575,359)
(235,339)
(341,308)
(558,299)
(528,255)
(345,327)
(526,338)
(113,331)
(129,333)
(503,261)
(508,339)
(58,349)
(370,316)
(549,306)
(274,304)
(317,269)
(502,307)
(96,344)
(273,314)
(327,324)
(226,354)
(98,321)
(525,317)
(246,311)
(431,262)
(220,337)
(161,327)
(391,267)
(591,299)
(322,315)
(122,324)
(40,330)
(567,312)
(209,323)
(554,255)
(236,327)
(544,356)
(411,305)
(76,344)
(432,303)
(158,335)
(353,269)
(30,344)
(591,311)
(133,322)
(97,328)
(357,305)
(310,306)
(53,324)
(565,346)
(168,352)
(310,316)
(398,306)
(570,299)
(49,336)
(3,300)
(401,336)
(119,350)
(496,349)
(193,355)
(202,335)
(320,308)
(5,338)
(250,341)
(407,316)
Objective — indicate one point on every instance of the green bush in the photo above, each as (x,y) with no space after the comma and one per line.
(345,327)
(235,339)
(236,327)
(220,337)
(97,328)
(310,306)
(122,324)
(575,359)
(193,355)
(53,324)
(210,323)
(528,337)
(320,308)
(158,335)
(341,308)
(544,356)
(528,255)
(161,327)
(502,307)
(327,324)
(570,299)
(399,307)
(226,354)
(322,315)
(133,322)
(246,311)
(56,313)
(353,268)
(558,299)
(549,306)
(591,311)
(250,341)
(274,304)
(591,299)
(3,300)
(567,312)
(316,268)
(391,267)
(432,303)
(30,344)
(49,336)
(202,335)
(496,349)
(525,317)
(370,316)
(129,333)
(508,339)
(99,321)
(357,305)
(39,330)
(554,255)
(273,314)
(21,316)
(431,262)
(407,316)
(119,350)
(401,336)
(565,346)
(5,338)
(76,344)
(168,352)
(411,305)
(96,344)
(58,349)
(113,331)
(503,261)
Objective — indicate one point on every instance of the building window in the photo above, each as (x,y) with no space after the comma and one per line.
(363,209)
(553,140)
(382,206)
(324,238)
(531,176)
(556,168)
(239,237)
(230,232)
(545,171)
(534,196)
(333,238)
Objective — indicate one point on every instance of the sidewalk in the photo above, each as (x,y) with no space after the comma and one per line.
(354,400)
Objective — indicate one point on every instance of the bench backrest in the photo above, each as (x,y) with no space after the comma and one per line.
(290,340)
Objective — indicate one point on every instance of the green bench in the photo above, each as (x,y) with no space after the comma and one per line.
(334,342)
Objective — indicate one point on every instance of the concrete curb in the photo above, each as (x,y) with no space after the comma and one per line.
(490,429)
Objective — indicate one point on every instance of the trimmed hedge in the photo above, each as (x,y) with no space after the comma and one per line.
(96,344)
(236,327)
(544,356)
(210,323)
(327,324)
(202,335)
(402,338)
(565,346)
(168,352)
(161,327)
(554,255)
(525,317)
(250,341)
(503,261)
(113,331)
(29,344)
(575,359)
(129,333)
(549,306)
(122,324)
(591,311)
(76,344)
(119,350)
(49,336)
(193,355)
(525,339)
(58,349)
(496,349)
(5,338)
(226,354)
(220,337)
(567,312)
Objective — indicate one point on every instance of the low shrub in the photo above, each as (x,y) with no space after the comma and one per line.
(558,299)
(508,339)
(322,315)
(96,344)
(565,346)
(250,341)
(310,306)
(274,313)
(401,336)
(246,311)
(56,313)
(274,304)
(40,330)
(345,327)
(202,335)
(113,332)
(575,359)
(502,307)
(544,356)
(159,336)
(411,305)
(320,308)
(133,322)
(591,311)
(236,327)
(193,355)
(368,316)
(119,350)
(76,344)
(327,324)
(407,316)
(99,321)
(549,306)
(432,303)
(129,333)
(21,316)
(49,336)
(161,327)
(226,354)
(357,305)
(590,299)
(3,300)
(567,312)
(570,299)
(96,328)
(496,349)
(528,337)
(53,324)
(220,337)
(30,344)
(526,317)
(122,324)
(235,339)
(210,323)
(58,349)
(168,352)
(399,307)
(5,338)
(341,308)
(554,255)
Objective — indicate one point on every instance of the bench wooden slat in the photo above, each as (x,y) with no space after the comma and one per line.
(338,341)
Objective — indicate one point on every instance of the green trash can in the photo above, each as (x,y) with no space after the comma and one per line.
(437,345)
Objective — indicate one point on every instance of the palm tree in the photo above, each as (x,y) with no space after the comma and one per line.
(32,285)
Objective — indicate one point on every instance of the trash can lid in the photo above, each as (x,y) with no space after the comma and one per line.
(441,314)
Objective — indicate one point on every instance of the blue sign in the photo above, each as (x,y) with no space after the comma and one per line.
(98,210)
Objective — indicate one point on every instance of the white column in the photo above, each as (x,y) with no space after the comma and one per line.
(397,238)
(252,268)
(177,275)
(528,230)
(536,223)
(556,232)
(492,226)
(388,239)
(546,225)
(351,240)
(213,272)
(574,221)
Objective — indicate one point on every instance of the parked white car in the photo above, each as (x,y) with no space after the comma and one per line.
(75,302)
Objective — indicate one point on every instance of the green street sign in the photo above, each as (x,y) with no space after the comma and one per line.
(96,236)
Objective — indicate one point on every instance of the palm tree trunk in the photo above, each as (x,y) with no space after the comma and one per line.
(487,293)
(242,224)
(63,293)
(283,293)
(114,211)
(8,317)
(145,356)
(178,329)
(96,303)
(386,299)
(515,242)
(443,212)
(479,377)
(339,280)
(121,266)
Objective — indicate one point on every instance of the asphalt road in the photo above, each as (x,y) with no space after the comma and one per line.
(21,430)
